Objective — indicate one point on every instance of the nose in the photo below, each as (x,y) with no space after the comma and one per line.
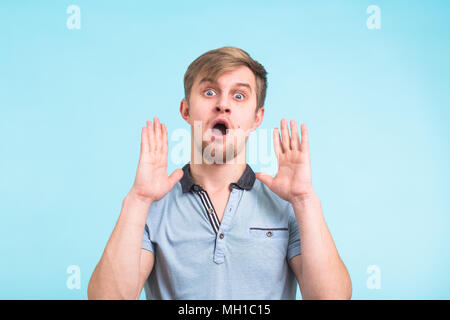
(222,108)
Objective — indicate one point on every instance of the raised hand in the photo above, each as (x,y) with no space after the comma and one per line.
(293,180)
(152,182)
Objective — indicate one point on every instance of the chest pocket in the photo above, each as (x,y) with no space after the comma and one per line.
(268,233)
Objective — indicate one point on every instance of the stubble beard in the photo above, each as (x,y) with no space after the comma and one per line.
(217,152)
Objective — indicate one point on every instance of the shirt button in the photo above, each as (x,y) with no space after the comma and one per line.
(269,233)
(221,236)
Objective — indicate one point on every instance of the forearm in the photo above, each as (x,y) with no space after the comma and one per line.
(324,275)
(117,274)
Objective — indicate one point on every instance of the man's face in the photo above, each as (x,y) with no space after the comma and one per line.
(222,114)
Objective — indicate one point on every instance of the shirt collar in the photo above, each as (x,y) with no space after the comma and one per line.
(245,182)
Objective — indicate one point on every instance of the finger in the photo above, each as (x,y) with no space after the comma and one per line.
(304,146)
(165,144)
(144,142)
(277,142)
(157,135)
(285,144)
(265,178)
(176,175)
(295,140)
(151,136)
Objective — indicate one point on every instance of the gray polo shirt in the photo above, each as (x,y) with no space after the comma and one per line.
(245,256)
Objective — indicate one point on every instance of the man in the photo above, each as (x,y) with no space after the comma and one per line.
(214,229)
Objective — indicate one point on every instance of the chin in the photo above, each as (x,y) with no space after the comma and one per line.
(215,153)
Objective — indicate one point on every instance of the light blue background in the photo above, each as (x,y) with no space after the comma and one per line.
(376,104)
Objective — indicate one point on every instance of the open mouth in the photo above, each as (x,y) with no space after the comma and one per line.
(219,128)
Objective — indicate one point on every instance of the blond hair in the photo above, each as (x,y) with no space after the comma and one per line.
(218,61)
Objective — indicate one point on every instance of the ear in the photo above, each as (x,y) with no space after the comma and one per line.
(258,118)
(184,110)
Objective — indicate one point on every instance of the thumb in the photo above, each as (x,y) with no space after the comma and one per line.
(265,178)
(176,175)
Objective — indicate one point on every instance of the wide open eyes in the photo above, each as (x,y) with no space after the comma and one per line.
(211,93)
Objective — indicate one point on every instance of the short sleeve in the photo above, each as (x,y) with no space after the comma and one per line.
(152,219)
(146,243)
(294,235)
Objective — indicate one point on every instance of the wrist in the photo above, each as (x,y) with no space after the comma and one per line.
(135,209)
(134,197)
(304,198)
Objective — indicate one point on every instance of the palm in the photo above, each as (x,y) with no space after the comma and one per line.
(152,181)
(293,179)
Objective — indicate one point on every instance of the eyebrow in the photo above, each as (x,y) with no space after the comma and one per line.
(237,84)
